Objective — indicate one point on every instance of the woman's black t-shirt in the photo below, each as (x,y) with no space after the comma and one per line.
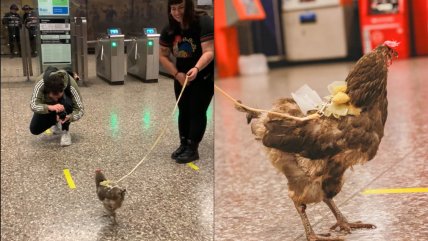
(185,44)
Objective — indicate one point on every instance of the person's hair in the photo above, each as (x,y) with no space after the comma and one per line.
(55,83)
(189,13)
(14,7)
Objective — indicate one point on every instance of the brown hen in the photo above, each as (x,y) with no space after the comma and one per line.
(109,193)
(315,154)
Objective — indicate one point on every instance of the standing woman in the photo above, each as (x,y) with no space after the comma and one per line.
(190,38)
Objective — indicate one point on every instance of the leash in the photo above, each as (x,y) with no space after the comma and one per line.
(160,135)
(309,117)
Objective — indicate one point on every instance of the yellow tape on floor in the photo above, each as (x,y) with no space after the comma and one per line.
(69,179)
(396,190)
(193,166)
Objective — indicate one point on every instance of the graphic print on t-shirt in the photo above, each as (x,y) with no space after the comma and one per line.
(183,47)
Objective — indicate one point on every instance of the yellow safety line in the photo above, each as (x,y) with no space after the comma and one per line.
(396,190)
(69,179)
(193,166)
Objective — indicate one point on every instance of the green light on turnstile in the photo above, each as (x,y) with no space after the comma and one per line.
(113,44)
(150,42)
(114,124)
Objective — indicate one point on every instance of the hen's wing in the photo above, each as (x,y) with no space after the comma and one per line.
(322,137)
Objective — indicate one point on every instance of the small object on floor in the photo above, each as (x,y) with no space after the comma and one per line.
(193,166)
(109,193)
(65,138)
(48,132)
(69,179)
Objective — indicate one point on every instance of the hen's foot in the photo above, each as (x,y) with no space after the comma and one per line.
(324,237)
(345,226)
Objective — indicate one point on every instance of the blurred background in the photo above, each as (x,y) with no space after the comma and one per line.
(131,16)
(283,32)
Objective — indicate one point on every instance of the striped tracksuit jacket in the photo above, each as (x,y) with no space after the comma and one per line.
(40,100)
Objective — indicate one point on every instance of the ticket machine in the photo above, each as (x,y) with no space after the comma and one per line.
(143,56)
(385,20)
(314,29)
(110,53)
(54,39)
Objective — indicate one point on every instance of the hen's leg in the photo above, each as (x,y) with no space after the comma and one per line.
(310,235)
(342,223)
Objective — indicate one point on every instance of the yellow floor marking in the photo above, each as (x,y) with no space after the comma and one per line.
(69,179)
(193,166)
(395,190)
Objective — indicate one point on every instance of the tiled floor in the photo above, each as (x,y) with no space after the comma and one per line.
(164,200)
(251,201)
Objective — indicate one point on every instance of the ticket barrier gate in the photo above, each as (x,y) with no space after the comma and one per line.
(143,56)
(80,49)
(110,54)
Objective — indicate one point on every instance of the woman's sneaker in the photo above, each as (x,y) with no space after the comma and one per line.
(56,129)
(65,138)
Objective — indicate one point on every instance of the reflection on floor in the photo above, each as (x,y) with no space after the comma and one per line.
(164,200)
(251,201)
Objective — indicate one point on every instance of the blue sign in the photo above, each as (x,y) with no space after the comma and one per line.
(150,30)
(60,10)
(113,31)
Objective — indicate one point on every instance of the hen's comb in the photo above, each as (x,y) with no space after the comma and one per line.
(98,170)
(391,44)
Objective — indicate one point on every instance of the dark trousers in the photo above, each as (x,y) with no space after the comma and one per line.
(14,38)
(42,122)
(193,105)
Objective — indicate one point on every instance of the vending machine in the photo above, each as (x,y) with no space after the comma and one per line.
(385,20)
(314,29)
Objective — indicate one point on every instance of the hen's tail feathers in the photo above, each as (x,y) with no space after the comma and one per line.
(250,113)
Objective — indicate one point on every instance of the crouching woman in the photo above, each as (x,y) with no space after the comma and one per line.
(56,102)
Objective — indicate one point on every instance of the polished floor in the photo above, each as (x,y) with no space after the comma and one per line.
(164,200)
(251,201)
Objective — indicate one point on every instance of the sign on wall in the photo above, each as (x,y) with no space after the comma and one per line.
(54,7)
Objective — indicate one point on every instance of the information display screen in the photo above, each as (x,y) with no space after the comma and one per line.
(54,7)
(149,30)
(114,31)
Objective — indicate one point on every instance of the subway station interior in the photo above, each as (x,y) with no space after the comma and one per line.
(348,147)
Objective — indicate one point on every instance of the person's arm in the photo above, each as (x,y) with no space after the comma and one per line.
(166,62)
(207,45)
(164,59)
(207,54)
(36,104)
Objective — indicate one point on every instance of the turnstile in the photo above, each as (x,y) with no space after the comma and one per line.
(143,56)
(110,52)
